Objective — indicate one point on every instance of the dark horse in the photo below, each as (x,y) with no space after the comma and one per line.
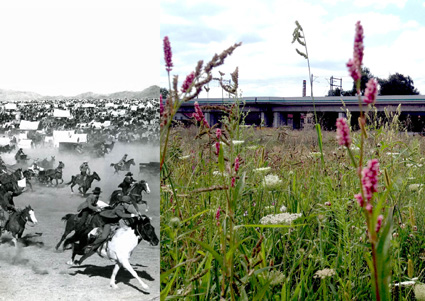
(83,185)
(136,191)
(47,176)
(124,167)
(10,181)
(17,221)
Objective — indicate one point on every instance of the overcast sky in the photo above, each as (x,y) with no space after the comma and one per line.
(70,47)
(268,63)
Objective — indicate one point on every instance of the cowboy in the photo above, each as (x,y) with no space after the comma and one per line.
(7,204)
(88,207)
(127,182)
(20,155)
(109,218)
(122,161)
(84,170)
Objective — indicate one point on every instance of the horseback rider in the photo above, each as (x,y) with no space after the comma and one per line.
(109,218)
(122,161)
(84,170)
(7,204)
(88,207)
(35,168)
(20,155)
(127,182)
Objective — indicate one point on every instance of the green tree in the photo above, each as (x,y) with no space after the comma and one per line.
(397,84)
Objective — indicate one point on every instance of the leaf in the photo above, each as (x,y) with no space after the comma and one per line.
(209,249)
(319,137)
(167,289)
(239,188)
(302,54)
(383,258)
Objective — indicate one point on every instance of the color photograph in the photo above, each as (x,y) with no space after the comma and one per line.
(292,142)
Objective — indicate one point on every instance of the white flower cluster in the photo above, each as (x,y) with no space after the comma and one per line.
(237,142)
(324,273)
(271,181)
(280,218)
(218,173)
(415,187)
(315,154)
(262,169)
(283,208)
(252,147)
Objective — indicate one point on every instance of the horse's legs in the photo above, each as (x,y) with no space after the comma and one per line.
(114,274)
(126,264)
(72,185)
(65,234)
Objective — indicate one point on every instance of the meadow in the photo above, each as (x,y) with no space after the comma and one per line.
(290,227)
(251,213)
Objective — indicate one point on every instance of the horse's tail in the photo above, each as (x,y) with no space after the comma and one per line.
(67,217)
(72,180)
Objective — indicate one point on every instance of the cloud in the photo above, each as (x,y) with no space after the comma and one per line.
(380,4)
(268,63)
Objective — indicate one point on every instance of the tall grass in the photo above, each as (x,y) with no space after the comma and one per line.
(249,214)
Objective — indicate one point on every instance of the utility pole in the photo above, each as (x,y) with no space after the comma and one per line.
(332,84)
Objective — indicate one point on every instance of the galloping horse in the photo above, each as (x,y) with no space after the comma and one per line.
(84,185)
(121,246)
(10,181)
(124,167)
(136,190)
(17,221)
(50,174)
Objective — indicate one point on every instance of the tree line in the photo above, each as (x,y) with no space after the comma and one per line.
(395,84)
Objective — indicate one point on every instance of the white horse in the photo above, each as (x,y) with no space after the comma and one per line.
(123,243)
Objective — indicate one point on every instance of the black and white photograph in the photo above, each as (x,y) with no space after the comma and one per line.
(79,150)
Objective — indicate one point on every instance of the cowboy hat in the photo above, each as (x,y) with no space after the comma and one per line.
(97,190)
(129,174)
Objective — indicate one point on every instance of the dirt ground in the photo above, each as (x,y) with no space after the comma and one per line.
(36,271)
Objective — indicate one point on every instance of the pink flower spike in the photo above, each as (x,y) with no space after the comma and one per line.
(188,82)
(369,208)
(358,45)
(161,105)
(168,54)
(379,223)
(217,215)
(359,199)
(236,164)
(233,182)
(371,91)
(354,70)
(218,133)
(370,178)
(217,148)
(355,65)
(343,132)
